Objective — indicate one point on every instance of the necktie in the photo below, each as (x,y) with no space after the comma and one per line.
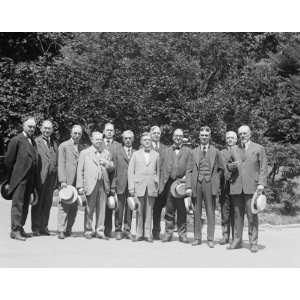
(128,152)
(204,150)
(243,146)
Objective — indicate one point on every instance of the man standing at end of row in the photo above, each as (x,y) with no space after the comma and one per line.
(252,177)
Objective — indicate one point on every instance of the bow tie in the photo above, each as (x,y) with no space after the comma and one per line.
(147,151)
(176,147)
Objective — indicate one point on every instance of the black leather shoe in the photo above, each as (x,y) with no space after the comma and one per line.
(25,234)
(211,244)
(67,233)
(138,239)
(196,242)
(61,235)
(127,235)
(253,248)
(167,238)
(35,233)
(149,239)
(156,236)
(183,239)
(45,232)
(16,235)
(234,245)
(119,236)
(108,235)
(224,241)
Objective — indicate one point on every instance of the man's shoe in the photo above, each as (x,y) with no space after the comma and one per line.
(138,239)
(127,235)
(101,235)
(88,235)
(196,242)
(119,236)
(224,241)
(254,248)
(25,234)
(16,235)
(156,236)
(61,235)
(211,244)
(68,233)
(149,239)
(234,245)
(183,239)
(108,235)
(45,232)
(167,238)
(35,233)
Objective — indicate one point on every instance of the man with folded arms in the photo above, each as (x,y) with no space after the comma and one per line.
(123,214)
(21,164)
(143,179)
(68,154)
(177,166)
(93,181)
(252,177)
(208,166)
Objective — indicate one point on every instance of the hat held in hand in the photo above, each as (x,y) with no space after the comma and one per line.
(258,203)
(68,194)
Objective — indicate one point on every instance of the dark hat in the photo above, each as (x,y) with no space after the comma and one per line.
(4,190)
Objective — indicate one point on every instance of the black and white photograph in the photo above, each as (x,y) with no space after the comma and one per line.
(149,149)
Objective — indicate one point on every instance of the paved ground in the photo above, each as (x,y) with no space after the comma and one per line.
(279,247)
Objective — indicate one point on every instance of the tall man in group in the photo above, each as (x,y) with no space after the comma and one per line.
(252,171)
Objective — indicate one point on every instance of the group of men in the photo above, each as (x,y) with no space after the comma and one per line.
(110,169)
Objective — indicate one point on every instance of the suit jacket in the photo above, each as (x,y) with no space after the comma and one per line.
(216,164)
(47,160)
(252,169)
(142,175)
(21,157)
(121,162)
(67,162)
(184,166)
(88,170)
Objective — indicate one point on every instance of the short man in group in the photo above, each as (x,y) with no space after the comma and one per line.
(47,180)
(160,201)
(93,181)
(68,155)
(112,146)
(207,168)
(227,218)
(252,177)
(123,214)
(143,180)
(177,166)
(21,164)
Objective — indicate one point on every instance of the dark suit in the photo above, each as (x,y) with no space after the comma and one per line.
(47,180)
(161,200)
(21,163)
(206,172)
(176,167)
(252,171)
(113,149)
(227,213)
(120,186)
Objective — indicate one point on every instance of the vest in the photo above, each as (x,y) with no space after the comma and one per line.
(52,159)
(204,170)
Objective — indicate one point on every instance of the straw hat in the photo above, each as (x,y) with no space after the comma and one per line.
(68,194)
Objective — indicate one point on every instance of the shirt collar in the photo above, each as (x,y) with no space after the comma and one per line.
(155,144)
(206,146)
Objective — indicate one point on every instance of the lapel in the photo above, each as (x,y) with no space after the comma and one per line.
(73,150)
(124,154)
(180,153)
(93,155)
(211,152)
(41,142)
(29,148)
(199,155)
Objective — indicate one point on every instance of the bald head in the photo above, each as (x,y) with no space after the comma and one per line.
(244,134)
(178,137)
(231,138)
(47,128)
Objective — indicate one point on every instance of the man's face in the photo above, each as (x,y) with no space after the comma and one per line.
(47,129)
(29,127)
(146,141)
(178,137)
(97,141)
(204,137)
(231,139)
(244,134)
(127,140)
(109,131)
(76,134)
(155,135)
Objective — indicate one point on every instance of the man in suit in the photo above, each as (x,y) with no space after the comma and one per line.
(160,201)
(21,164)
(120,186)
(252,174)
(143,180)
(177,166)
(227,218)
(112,146)
(93,181)
(68,154)
(47,180)
(207,168)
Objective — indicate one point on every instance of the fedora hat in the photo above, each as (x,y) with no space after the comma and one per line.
(178,189)
(132,203)
(68,194)
(112,201)
(258,203)
(4,190)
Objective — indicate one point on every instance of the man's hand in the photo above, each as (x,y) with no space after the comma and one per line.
(80,191)
(131,193)
(189,192)
(103,162)
(63,185)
